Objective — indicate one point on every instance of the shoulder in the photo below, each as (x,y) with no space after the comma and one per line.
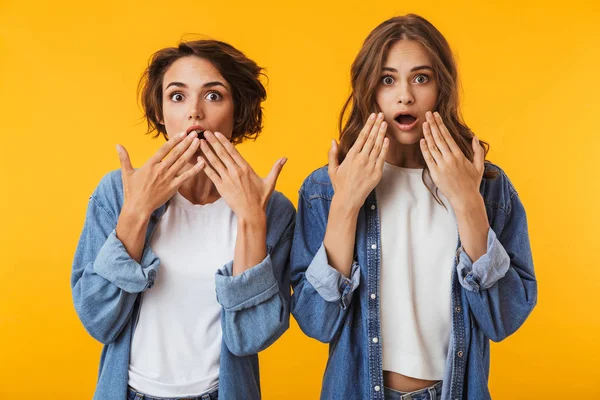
(279,204)
(498,192)
(108,194)
(317,185)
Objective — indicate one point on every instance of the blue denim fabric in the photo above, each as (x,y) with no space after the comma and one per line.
(135,395)
(106,286)
(491,298)
(431,393)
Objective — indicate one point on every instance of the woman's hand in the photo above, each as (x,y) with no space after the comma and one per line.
(457,177)
(362,168)
(352,182)
(149,187)
(459,180)
(246,193)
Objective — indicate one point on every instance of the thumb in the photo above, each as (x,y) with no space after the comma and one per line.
(333,157)
(271,179)
(124,159)
(478,154)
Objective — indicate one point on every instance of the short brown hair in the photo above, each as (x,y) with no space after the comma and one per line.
(242,74)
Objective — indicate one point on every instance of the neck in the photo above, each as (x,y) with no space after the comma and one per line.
(404,155)
(199,189)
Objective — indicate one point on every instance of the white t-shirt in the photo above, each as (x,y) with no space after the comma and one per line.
(418,242)
(177,341)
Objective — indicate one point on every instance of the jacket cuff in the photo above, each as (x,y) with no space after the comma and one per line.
(250,288)
(485,272)
(114,264)
(331,285)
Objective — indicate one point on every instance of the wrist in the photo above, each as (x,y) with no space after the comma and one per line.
(468,203)
(343,205)
(133,213)
(255,220)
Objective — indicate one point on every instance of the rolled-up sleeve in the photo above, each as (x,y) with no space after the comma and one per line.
(248,289)
(329,283)
(487,270)
(114,264)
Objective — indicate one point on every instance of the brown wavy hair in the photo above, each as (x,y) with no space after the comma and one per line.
(366,73)
(242,74)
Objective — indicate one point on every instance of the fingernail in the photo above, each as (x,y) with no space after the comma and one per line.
(380,115)
(218,134)
(372,116)
(182,134)
(284,160)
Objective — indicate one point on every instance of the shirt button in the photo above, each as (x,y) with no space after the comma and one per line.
(373,207)
(457,309)
(373,296)
(460,353)
(377,388)
(373,246)
(375,340)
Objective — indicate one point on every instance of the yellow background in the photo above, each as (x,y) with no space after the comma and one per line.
(68,76)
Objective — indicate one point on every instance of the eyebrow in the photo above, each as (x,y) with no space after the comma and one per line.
(420,67)
(206,85)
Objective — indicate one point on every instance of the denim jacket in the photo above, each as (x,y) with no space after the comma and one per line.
(107,286)
(490,298)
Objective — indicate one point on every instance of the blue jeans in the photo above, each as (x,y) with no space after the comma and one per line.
(431,393)
(134,395)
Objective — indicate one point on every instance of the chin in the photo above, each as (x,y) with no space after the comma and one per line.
(406,138)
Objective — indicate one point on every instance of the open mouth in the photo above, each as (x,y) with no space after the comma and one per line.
(199,130)
(405,121)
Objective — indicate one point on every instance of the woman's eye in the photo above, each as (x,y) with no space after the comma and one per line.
(176,97)
(213,96)
(387,80)
(421,78)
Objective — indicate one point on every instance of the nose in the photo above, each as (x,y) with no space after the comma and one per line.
(195,112)
(405,95)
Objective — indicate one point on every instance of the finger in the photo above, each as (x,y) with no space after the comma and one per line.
(212,159)
(185,157)
(378,141)
(124,159)
(429,141)
(478,155)
(446,134)
(333,157)
(271,179)
(233,152)
(167,147)
(211,173)
(440,142)
(178,181)
(373,134)
(220,150)
(382,154)
(363,135)
(429,160)
(174,155)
